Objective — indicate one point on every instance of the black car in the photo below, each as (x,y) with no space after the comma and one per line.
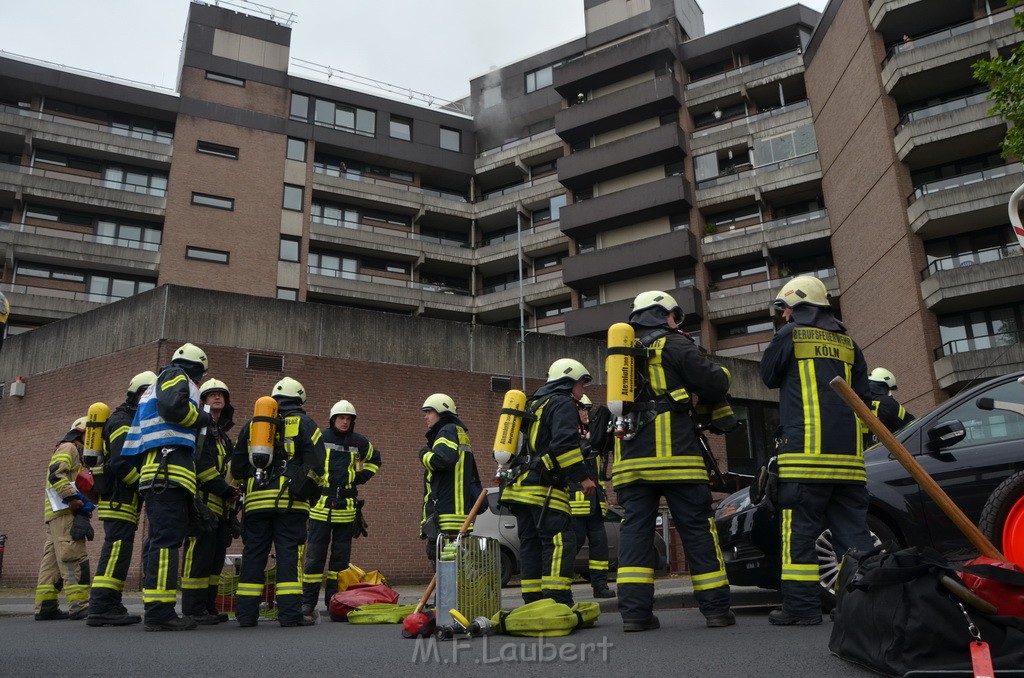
(972,445)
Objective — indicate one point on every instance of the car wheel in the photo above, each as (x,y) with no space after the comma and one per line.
(828,565)
(508,567)
(1002,518)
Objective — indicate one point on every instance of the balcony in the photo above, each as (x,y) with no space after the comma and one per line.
(948,50)
(965,360)
(659,146)
(616,63)
(508,159)
(44,303)
(71,248)
(995,279)
(776,234)
(747,126)
(753,298)
(959,203)
(647,99)
(402,295)
(358,237)
(538,289)
(952,129)
(767,179)
(79,190)
(661,252)
(596,320)
(406,197)
(899,16)
(778,67)
(632,205)
(541,237)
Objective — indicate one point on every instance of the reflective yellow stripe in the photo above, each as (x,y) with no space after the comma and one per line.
(111,583)
(635,575)
(460,496)
(658,469)
(527,586)
(812,415)
(534,495)
(567,459)
(556,558)
(598,565)
(556,583)
(171,382)
(251,589)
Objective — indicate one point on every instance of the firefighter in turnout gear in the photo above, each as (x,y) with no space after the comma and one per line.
(663,459)
(882,383)
(588,513)
(278,494)
(820,455)
(206,546)
(117,483)
(337,517)
(67,513)
(538,492)
(163,437)
(451,483)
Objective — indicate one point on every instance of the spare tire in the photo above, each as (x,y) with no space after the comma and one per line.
(1002,518)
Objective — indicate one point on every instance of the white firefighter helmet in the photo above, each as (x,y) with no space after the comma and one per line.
(343,407)
(79,424)
(141,380)
(289,388)
(656,299)
(567,368)
(883,376)
(440,403)
(192,354)
(585,402)
(212,385)
(803,289)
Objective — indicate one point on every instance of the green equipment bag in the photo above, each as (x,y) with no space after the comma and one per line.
(380,613)
(546,618)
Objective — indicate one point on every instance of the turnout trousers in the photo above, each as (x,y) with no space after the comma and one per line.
(65,562)
(590,529)
(167,517)
(690,506)
(805,510)
(547,551)
(285,531)
(201,567)
(321,535)
(112,570)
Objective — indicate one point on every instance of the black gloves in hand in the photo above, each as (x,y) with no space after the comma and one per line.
(81,527)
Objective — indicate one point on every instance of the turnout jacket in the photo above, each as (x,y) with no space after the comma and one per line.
(597,503)
(351,460)
(302,454)
(665,449)
(118,477)
(451,483)
(214,459)
(887,409)
(554,455)
(61,473)
(821,437)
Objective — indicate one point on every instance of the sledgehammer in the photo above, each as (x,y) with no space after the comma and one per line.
(927,483)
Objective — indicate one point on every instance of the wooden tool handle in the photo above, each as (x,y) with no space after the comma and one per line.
(927,483)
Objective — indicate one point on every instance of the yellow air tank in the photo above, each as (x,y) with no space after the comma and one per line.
(92,445)
(620,368)
(510,422)
(261,432)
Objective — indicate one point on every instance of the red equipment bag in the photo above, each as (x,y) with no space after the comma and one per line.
(355,595)
(997,581)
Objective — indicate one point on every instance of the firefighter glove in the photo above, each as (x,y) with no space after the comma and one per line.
(81,527)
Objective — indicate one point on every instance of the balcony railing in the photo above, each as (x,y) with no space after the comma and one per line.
(81,237)
(388,183)
(765,284)
(982,256)
(78,179)
(726,178)
(394,232)
(518,187)
(743,69)
(939,36)
(517,142)
(384,280)
(978,343)
(963,180)
(765,226)
(513,284)
(9,288)
(158,137)
(748,119)
(505,237)
(939,109)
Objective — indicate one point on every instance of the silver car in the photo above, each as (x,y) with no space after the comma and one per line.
(499,523)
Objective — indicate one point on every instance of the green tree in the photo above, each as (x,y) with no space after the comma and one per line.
(1005,77)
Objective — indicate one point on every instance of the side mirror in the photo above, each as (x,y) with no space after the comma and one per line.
(946,434)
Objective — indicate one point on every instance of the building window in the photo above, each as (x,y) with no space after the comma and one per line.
(227,79)
(980,329)
(203,254)
(333,265)
(540,78)
(103,288)
(739,271)
(216,201)
(292,198)
(490,96)
(128,235)
(451,139)
(61,216)
(217,149)
(554,310)
(296,150)
(360,121)
(401,128)
(289,250)
(34,270)
(299,109)
(745,327)
(135,180)
(287,294)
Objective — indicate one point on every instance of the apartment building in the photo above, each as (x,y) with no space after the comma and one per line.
(851,144)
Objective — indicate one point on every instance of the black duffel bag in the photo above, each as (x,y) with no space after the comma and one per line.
(894,615)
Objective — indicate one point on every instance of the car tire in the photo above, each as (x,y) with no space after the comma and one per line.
(828,567)
(508,567)
(1005,506)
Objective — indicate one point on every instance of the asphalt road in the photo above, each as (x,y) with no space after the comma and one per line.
(683,646)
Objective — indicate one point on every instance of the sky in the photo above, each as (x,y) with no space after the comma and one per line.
(431,46)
